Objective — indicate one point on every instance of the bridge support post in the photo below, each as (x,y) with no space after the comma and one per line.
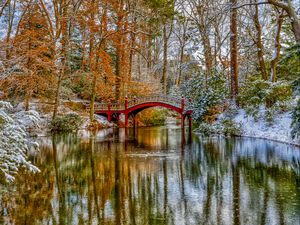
(182,121)
(133,121)
(108,111)
(126,120)
(190,124)
(126,113)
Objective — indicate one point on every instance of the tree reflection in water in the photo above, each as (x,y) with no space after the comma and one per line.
(156,177)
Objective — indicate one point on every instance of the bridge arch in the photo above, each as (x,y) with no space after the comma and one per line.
(140,107)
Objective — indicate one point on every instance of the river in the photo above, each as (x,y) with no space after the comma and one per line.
(156,176)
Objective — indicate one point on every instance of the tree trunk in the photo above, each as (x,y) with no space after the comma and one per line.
(63,54)
(149,45)
(277,48)
(259,44)
(119,51)
(57,93)
(93,97)
(139,67)
(180,65)
(207,52)
(28,92)
(234,53)
(27,100)
(182,41)
(130,61)
(132,44)
(92,64)
(118,75)
(165,60)
(204,29)
(11,16)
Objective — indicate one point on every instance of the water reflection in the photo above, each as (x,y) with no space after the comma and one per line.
(155,177)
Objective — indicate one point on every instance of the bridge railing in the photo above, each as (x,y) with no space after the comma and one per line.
(159,98)
(101,106)
(116,106)
(111,106)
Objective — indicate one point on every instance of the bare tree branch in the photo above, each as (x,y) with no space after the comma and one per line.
(3,7)
(249,4)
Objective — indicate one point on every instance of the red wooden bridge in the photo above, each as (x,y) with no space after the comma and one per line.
(130,108)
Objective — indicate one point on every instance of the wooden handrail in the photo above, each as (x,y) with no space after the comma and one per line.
(171,100)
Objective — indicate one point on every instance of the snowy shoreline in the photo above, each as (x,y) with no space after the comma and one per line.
(270,139)
(278,130)
(257,137)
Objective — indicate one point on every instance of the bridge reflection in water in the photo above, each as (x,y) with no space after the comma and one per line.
(95,179)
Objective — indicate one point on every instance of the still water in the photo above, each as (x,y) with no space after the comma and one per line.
(156,176)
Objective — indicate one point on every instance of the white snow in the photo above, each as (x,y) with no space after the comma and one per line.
(278,130)
(100,119)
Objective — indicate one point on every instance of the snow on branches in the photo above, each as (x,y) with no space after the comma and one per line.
(15,141)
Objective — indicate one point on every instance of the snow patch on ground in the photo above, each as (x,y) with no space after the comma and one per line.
(278,130)
(100,119)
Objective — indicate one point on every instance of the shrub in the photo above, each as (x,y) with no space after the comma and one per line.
(253,93)
(279,92)
(68,123)
(288,66)
(231,111)
(257,91)
(230,128)
(207,93)
(225,127)
(269,115)
(206,129)
(75,106)
(81,85)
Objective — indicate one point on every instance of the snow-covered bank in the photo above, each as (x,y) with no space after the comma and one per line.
(45,111)
(277,130)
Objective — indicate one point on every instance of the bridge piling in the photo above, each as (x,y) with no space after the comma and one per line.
(182,112)
(125,112)
(126,120)
(108,111)
(182,120)
(190,124)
